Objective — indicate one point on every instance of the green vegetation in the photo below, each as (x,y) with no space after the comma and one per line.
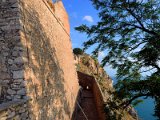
(130,32)
(95,59)
(77,51)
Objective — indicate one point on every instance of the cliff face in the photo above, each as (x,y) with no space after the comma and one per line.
(90,66)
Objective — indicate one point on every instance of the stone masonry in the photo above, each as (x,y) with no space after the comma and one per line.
(38,80)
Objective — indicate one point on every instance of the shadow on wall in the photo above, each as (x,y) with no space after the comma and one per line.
(45,82)
(88,83)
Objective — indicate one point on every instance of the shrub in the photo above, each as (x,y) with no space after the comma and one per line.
(77,51)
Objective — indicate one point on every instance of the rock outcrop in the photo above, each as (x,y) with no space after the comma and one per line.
(89,66)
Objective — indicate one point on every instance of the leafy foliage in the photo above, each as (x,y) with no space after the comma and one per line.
(77,51)
(135,103)
(130,32)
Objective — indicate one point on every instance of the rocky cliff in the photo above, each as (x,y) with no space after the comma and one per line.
(90,66)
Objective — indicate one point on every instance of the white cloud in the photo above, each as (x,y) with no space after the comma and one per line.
(88,18)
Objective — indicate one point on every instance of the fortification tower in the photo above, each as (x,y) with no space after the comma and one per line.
(38,79)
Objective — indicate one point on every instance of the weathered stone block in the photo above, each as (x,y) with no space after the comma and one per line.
(17,117)
(17,96)
(15,67)
(20,60)
(4,76)
(22,110)
(24,116)
(3,114)
(18,74)
(17,48)
(3,0)
(18,81)
(4,82)
(15,53)
(5,54)
(9,97)
(25,105)
(12,114)
(3,118)
(10,61)
(21,92)
(23,84)
(3,68)
(11,92)
(26,98)
(16,5)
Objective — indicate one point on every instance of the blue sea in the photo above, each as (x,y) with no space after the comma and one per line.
(145,110)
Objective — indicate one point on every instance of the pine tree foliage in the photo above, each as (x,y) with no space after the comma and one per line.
(129,30)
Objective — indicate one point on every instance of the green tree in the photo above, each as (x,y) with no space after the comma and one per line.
(129,30)
(77,51)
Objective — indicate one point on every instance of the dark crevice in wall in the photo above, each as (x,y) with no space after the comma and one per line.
(90,99)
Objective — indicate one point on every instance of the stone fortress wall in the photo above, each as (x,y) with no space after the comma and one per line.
(38,79)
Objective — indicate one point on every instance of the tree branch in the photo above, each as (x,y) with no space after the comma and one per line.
(127,103)
(140,23)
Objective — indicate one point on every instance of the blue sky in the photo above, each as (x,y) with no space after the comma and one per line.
(80,12)
(83,12)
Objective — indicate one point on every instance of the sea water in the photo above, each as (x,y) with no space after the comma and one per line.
(145,109)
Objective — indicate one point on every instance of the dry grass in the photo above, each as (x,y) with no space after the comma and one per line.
(51,5)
